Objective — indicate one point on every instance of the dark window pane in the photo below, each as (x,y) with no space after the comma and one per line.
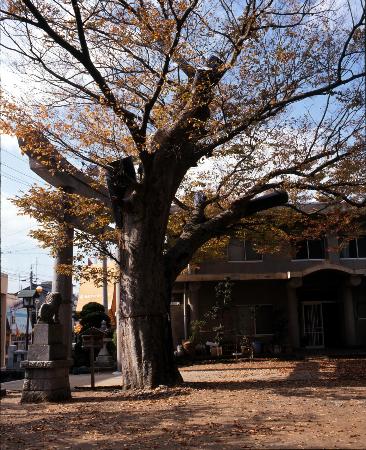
(235,251)
(245,320)
(301,250)
(344,253)
(361,310)
(250,253)
(316,249)
(361,243)
(350,250)
(263,319)
(177,297)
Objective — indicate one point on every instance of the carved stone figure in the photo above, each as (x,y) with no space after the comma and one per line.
(48,312)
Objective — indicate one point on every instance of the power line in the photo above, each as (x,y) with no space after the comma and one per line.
(16,249)
(25,241)
(17,232)
(9,177)
(23,245)
(20,172)
(15,156)
(22,252)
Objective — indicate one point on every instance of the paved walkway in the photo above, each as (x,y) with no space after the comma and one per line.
(101,379)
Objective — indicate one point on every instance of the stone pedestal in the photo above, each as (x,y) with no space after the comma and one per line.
(11,350)
(19,357)
(104,359)
(47,367)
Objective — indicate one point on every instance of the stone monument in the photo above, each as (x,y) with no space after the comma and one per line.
(47,366)
(104,359)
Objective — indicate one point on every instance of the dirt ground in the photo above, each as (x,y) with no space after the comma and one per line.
(261,404)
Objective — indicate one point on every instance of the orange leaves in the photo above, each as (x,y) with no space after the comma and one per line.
(283,55)
(96,274)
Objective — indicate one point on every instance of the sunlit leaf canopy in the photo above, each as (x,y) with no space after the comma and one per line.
(283,110)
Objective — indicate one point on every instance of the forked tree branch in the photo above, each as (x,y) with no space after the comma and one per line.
(84,59)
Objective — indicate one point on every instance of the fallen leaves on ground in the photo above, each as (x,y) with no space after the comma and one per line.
(260,404)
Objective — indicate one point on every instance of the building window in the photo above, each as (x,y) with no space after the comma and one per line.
(361,310)
(310,249)
(176,299)
(355,248)
(242,251)
(254,320)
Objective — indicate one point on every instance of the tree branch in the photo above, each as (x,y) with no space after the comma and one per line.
(271,109)
(128,117)
(80,28)
(195,235)
(50,165)
(149,106)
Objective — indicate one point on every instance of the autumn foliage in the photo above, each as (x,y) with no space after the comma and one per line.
(216,103)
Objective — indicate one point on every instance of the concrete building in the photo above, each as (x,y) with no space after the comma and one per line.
(312,299)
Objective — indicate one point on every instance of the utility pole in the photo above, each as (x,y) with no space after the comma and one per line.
(28,315)
(36,270)
(31,278)
(105,284)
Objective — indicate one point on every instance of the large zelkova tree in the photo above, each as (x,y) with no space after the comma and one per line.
(217,109)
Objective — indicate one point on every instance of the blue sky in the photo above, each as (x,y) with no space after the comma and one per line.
(18,251)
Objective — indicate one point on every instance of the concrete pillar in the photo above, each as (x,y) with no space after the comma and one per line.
(105,284)
(333,249)
(185,311)
(293,313)
(118,326)
(193,300)
(348,308)
(63,284)
(4,291)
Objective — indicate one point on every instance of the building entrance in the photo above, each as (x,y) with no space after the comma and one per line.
(313,328)
(320,322)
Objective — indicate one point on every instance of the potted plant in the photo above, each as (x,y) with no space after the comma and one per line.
(280,326)
(246,346)
(223,292)
(194,338)
(216,350)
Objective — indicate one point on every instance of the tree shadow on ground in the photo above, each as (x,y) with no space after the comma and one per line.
(236,369)
(298,388)
(307,379)
(112,419)
(164,426)
(122,395)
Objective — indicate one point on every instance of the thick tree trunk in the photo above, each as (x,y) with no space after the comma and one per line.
(142,212)
(147,357)
(147,353)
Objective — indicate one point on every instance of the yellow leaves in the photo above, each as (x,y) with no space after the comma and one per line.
(44,112)
(181,5)
(64,269)
(77,328)
(96,273)
(214,249)
(283,55)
